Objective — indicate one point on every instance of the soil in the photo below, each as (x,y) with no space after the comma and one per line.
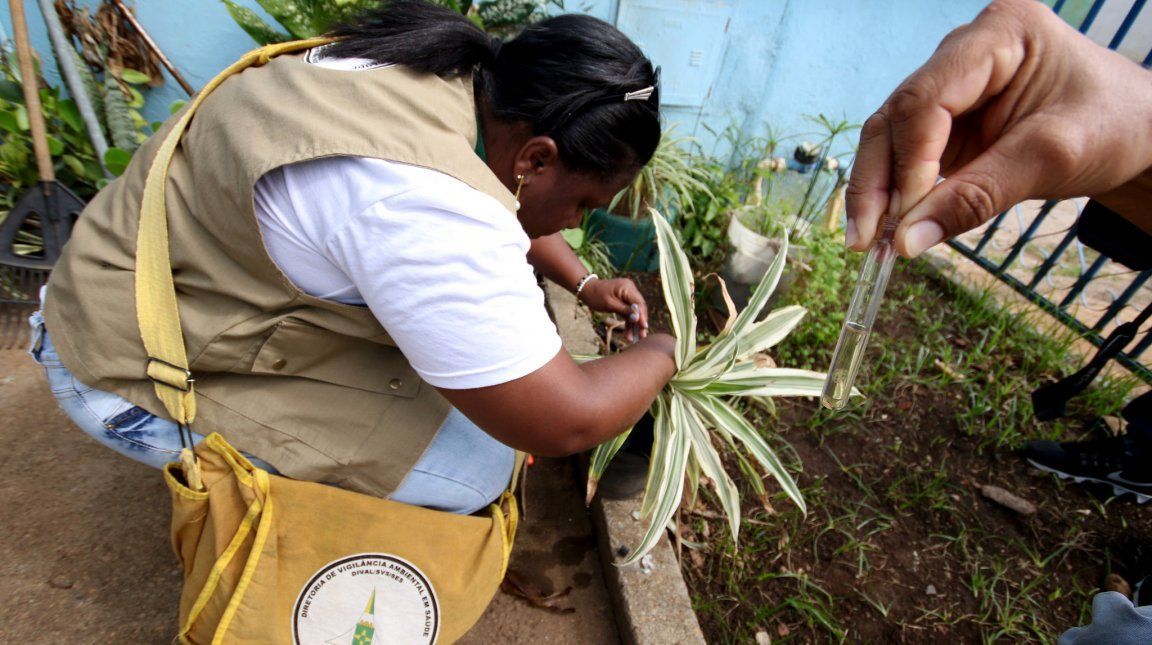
(925,567)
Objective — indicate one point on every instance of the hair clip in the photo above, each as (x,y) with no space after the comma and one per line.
(640,95)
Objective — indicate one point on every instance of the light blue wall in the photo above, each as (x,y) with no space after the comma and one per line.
(843,58)
(781,59)
(785,59)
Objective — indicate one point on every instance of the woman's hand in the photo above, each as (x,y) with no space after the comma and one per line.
(1015,105)
(618,296)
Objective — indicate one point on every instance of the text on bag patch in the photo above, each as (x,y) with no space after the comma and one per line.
(366,599)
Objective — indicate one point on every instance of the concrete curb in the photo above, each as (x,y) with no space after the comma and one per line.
(651,603)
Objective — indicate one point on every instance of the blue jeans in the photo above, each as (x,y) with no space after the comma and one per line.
(462,471)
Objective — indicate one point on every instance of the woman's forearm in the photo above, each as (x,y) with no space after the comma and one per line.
(551,256)
(564,408)
(623,387)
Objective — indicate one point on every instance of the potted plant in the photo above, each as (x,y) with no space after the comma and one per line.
(787,197)
(667,183)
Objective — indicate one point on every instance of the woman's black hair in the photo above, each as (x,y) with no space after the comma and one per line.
(567,76)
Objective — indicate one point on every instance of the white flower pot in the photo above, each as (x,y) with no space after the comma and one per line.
(750,254)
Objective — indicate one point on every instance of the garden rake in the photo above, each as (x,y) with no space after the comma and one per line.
(35,230)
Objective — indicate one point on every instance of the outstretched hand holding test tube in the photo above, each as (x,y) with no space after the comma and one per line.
(1015,105)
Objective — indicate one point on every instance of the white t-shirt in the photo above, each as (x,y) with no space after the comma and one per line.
(442,265)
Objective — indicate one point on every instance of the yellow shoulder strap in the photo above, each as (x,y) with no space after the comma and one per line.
(156,310)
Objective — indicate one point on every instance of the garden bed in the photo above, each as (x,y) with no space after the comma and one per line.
(899,545)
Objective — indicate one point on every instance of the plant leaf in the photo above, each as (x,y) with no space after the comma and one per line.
(117,160)
(11,91)
(9,122)
(734,424)
(664,498)
(70,115)
(731,306)
(134,77)
(121,126)
(574,237)
(260,31)
(773,329)
(745,379)
(297,16)
(721,349)
(763,290)
(705,454)
(701,372)
(660,433)
(691,483)
(602,456)
(676,280)
(22,118)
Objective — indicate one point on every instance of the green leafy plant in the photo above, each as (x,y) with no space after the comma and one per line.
(114,63)
(666,183)
(300,19)
(296,19)
(116,100)
(506,17)
(701,225)
(593,253)
(694,413)
(74,161)
(825,284)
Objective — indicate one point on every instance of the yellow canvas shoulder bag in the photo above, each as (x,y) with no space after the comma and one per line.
(273,560)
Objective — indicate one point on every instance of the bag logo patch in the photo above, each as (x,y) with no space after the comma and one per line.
(366,599)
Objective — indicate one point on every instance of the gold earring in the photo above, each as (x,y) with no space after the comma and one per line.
(519,185)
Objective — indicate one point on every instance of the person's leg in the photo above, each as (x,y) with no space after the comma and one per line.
(108,418)
(1114,621)
(462,471)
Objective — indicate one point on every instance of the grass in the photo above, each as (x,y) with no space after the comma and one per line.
(898,544)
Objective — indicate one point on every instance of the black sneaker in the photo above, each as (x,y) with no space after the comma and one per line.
(1123,462)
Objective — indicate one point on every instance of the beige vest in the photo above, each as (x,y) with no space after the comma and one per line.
(316,388)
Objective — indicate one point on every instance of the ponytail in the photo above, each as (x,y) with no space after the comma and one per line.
(425,37)
(567,76)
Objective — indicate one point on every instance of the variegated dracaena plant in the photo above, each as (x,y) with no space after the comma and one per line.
(693,413)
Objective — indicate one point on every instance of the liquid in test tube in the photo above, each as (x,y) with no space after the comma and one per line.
(861,316)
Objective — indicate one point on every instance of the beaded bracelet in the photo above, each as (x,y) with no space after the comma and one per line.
(584,281)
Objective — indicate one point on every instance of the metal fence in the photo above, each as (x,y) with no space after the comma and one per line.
(1033,247)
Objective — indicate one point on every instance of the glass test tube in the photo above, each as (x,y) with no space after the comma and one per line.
(858,323)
